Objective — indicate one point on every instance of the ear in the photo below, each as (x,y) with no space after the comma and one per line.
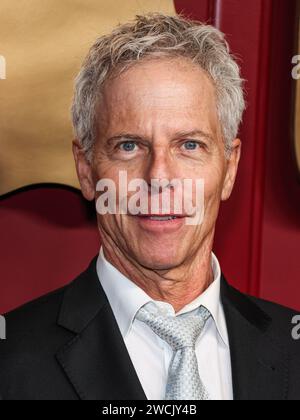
(84,171)
(232,167)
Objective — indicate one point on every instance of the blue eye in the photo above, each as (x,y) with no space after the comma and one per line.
(128,146)
(191,145)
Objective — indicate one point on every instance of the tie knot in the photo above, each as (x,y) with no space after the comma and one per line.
(178,331)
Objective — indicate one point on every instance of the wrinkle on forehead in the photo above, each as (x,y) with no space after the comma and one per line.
(155,92)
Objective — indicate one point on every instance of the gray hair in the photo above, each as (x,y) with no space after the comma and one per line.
(152,35)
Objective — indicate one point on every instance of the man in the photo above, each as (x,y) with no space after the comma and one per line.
(160,98)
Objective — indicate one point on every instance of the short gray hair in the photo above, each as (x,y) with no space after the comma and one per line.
(152,35)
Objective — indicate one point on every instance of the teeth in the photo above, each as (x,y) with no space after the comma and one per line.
(162,219)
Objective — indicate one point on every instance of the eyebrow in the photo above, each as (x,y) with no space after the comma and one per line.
(124,135)
(192,133)
(176,135)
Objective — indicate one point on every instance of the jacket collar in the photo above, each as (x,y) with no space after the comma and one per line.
(259,361)
(96,360)
(99,367)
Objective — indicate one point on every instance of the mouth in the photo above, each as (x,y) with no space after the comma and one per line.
(164,218)
(160,223)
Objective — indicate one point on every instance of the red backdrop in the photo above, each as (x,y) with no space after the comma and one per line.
(48,234)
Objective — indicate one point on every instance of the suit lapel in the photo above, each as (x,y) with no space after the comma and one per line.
(259,363)
(96,361)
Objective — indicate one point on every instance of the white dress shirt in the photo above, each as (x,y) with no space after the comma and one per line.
(151,355)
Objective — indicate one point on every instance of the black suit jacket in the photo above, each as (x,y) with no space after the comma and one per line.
(67,346)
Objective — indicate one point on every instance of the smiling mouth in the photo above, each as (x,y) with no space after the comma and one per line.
(157,218)
(160,224)
(162,218)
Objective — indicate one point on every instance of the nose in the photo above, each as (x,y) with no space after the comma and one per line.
(161,174)
(160,165)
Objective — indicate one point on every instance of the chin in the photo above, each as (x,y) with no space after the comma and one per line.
(159,260)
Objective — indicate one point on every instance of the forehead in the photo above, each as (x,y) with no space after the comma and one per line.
(159,92)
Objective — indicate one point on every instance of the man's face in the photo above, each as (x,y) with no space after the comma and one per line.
(144,119)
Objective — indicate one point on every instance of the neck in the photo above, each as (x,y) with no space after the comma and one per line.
(177,286)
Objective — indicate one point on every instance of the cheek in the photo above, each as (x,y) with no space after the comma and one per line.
(213,185)
(105,169)
(112,226)
(114,170)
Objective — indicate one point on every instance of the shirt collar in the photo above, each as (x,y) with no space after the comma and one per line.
(126,298)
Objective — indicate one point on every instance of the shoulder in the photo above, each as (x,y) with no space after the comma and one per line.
(27,353)
(44,311)
(31,332)
(35,327)
(34,335)
(283,322)
(34,314)
(275,311)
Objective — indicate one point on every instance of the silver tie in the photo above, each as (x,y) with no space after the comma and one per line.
(181,333)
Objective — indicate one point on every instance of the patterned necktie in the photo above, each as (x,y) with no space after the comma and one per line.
(181,333)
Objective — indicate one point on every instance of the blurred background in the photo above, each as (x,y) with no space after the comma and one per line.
(48,232)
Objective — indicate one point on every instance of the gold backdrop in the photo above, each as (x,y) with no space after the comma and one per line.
(44,43)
